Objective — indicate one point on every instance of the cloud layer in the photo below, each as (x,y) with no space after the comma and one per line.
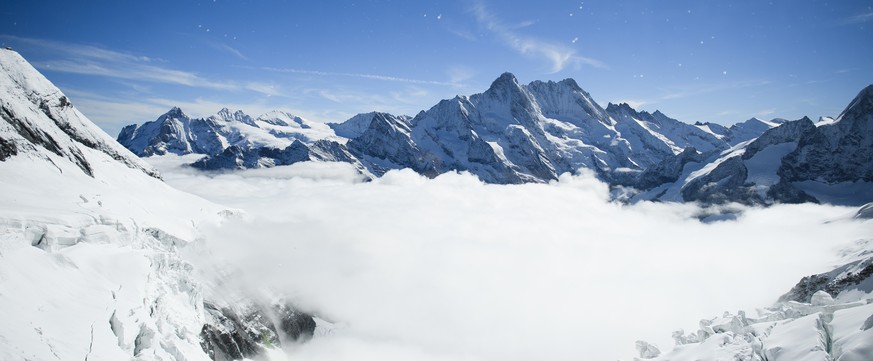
(453,269)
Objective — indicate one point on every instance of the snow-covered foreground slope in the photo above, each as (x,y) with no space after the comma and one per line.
(88,268)
(454,269)
(90,240)
(808,323)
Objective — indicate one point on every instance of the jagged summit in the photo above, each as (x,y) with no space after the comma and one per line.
(860,105)
(571,83)
(175,112)
(612,107)
(506,88)
(505,79)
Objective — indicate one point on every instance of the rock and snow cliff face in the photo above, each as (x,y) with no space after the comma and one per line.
(794,162)
(89,240)
(39,121)
(834,162)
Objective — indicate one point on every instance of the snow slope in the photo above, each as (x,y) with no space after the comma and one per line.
(89,245)
(88,234)
(807,324)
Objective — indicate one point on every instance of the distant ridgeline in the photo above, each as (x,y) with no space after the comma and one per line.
(514,133)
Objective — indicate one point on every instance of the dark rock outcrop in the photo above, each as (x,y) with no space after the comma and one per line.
(726,183)
(846,277)
(837,152)
(230,335)
(668,170)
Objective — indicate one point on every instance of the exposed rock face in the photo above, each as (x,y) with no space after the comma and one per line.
(757,171)
(747,130)
(236,157)
(669,170)
(357,125)
(229,335)
(386,143)
(836,152)
(730,180)
(725,183)
(172,133)
(785,192)
(658,136)
(788,132)
(853,275)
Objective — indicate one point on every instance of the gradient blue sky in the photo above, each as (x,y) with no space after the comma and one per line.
(124,61)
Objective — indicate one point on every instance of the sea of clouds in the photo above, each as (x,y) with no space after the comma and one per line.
(412,268)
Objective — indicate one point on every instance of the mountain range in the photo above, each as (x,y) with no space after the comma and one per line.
(515,133)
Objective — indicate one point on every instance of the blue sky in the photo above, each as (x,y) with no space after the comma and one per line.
(129,61)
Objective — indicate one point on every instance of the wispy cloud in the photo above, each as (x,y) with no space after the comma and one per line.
(860,18)
(92,60)
(360,75)
(766,112)
(556,53)
(228,49)
(131,71)
(686,91)
(97,61)
(460,74)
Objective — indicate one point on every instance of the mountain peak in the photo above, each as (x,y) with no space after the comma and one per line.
(226,115)
(505,80)
(862,104)
(175,112)
(612,107)
(571,83)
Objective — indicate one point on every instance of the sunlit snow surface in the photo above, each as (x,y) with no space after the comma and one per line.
(450,268)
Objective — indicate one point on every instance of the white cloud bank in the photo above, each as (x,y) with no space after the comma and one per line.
(452,269)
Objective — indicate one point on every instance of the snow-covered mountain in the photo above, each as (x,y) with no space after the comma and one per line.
(90,266)
(177,133)
(511,133)
(794,162)
(515,133)
(235,140)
